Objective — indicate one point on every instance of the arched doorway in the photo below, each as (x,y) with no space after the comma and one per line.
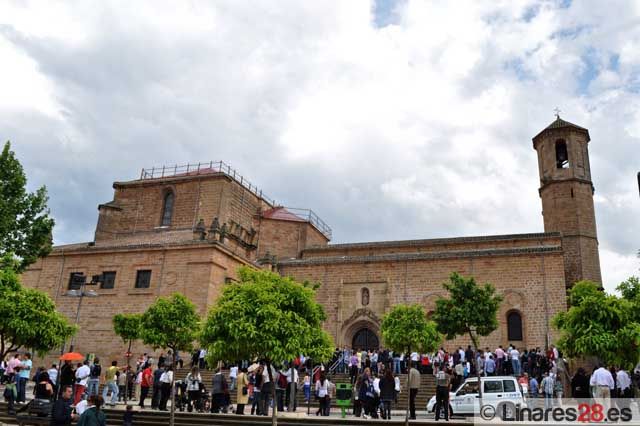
(365,339)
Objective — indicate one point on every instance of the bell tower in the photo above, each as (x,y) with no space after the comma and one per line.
(567,197)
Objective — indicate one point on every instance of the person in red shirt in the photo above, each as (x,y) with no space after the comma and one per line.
(145,384)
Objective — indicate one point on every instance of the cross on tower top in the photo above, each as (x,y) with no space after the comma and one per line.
(557,111)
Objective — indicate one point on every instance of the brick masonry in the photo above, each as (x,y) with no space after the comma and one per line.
(359,282)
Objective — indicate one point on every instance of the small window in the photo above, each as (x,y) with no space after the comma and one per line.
(514,326)
(468,388)
(167,209)
(108,279)
(143,278)
(562,155)
(76,279)
(509,385)
(493,386)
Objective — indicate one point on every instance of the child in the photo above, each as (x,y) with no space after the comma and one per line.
(127,419)
(307,388)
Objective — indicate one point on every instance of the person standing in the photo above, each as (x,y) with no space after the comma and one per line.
(110,377)
(443,387)
(233,375)
(67,375)
(218,389)
(62,412)
(499,359)
(547,387)
(242,393)
(490,366)
(387,393)
(515,361)
(194,381)
(53,377)
(414,386)
(82,377)
(23,376)
(166,381)
(93,383)
(603,383)
(146,382)
(353,368)
(156,388)
(322,392)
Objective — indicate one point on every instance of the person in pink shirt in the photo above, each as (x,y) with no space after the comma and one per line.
(12,364)
(499,360)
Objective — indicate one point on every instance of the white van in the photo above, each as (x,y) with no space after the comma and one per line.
(503,393)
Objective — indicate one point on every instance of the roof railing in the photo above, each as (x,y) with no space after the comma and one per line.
(203,169)
(311,217)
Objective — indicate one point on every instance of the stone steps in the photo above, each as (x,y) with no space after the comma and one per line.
(156,418)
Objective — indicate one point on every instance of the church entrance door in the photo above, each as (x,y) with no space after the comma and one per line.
(365,339)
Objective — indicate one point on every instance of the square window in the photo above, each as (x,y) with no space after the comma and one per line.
(76,279)
(108,279)
(143,278)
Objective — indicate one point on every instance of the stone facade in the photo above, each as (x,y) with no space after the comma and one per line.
(191,229)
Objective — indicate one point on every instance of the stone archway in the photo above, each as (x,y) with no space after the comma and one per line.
(362,327)
(365,339)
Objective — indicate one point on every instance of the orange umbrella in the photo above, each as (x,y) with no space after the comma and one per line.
(72,356)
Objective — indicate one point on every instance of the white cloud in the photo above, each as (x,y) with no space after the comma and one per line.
(420,128)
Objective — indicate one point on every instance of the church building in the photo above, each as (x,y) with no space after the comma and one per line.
(188,228)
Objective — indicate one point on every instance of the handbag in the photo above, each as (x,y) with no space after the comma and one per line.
(245,390)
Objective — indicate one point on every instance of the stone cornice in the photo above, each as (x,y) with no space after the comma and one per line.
(399,257)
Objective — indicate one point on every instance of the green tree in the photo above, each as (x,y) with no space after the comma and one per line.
(127,326)
(630,289)
(469,310)
(29,317)
(406,328)
(600,325)
(25,224)
(266,317)
(171,323)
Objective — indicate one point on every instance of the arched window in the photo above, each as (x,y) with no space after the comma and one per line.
(167,209)
(365,297)
(514,326)
(562,155)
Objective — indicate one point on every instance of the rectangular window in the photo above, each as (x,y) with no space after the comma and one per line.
(509,385)
(108,279)
(76,280)
(492,386)
(143,278)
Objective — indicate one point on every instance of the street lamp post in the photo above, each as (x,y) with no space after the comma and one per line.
(80,293)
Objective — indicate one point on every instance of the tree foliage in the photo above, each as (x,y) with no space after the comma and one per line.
(170,323)
(127,326)
(266,316)
(25,224)
(407,328)
(29,318)
(470,309)
(601,325)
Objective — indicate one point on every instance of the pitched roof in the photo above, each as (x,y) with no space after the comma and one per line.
(281,213)
(559,123)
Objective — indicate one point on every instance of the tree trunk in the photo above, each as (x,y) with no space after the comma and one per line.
(126,379)
(474,339)
(274,418)
(173,393)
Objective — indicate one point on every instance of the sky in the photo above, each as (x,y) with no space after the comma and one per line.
(391,119)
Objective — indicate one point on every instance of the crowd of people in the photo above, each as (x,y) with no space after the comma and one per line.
(374,376)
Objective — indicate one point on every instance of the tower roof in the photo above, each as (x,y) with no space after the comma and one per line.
(559,123)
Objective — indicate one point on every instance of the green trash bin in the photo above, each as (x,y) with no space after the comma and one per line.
(343,397)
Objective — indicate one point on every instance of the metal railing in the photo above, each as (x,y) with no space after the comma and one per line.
(203,169)
(311,217)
